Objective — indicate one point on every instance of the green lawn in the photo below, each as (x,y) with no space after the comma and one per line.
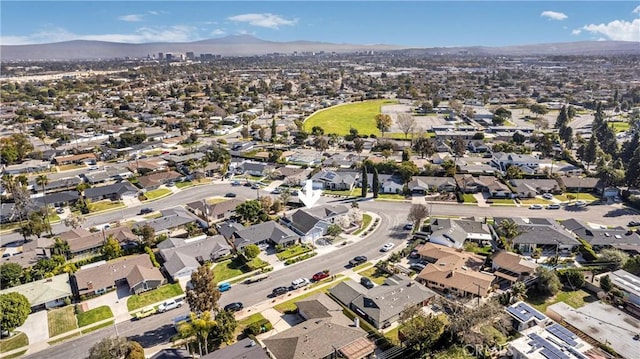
(138,301)
(375,275)
(366,219)
(70,167)
(293,251)
(530,201)
(214,200)
(94,315)
(157,193)
(184,184)
(61,320)
(362,266)
(588,197)
(391,196)
(575,299)
(469,198)
(243,323)
(619,126)
(104,205)
(339,119)
(502,201)
(392,335)
(15,355)
(346,192)
(17,341)
(290,304)
(228,269)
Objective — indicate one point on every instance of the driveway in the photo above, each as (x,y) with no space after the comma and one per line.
(35,327)
(116,299)
(280,322)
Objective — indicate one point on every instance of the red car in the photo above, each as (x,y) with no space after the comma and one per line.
(320,276)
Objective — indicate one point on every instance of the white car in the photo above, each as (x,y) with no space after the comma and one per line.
(387,247)
(580,203)
(299,283)
(547,196)
(535,206)
(168,305)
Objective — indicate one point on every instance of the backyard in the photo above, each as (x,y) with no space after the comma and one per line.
(575,299)
(138,301)
(340,119)
(61,320)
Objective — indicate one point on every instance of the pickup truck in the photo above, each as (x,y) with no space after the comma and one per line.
(169,304)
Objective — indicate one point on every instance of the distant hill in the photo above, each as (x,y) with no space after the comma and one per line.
(245,45)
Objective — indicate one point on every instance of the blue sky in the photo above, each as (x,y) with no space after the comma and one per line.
(407,23)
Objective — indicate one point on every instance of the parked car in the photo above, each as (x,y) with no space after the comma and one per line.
(276,191)
(235,183)
(170,184)
(146,210)
(247,184)
(299,283)
(59,210)
(367,283)
(418,267)
(387,247)
(547,196)
(255,186)
(145,312)
(230,195)
(169,305)
(408,226)
(634,224)
(535,206)
(223,287)
(357,260)
(233,307)
(320,276)
(580,203)
(279,291)
(553,206)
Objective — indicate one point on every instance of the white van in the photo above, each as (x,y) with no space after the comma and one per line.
(299,283)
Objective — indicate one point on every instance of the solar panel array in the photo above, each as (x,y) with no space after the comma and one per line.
(563,334)
(548,350)
(524,312)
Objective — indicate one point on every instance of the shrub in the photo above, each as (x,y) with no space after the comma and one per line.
(152,256)
(261,326)
(299,258)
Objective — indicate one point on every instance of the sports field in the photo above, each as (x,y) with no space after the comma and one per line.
(339,119)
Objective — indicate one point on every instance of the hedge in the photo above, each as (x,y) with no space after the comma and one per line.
(299,258)
(257,327)
(587,251)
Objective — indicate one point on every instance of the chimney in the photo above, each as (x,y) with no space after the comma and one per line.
(89,285)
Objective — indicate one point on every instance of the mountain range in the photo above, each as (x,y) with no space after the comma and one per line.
(246,45)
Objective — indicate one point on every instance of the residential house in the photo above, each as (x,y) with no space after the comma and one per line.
(382,305)
(512,266)
(184,257)
(455,232)
(83,243)
(389,183)
(154,180)
(580,184)
(137,272)
(629,285)
(113,192)
(44,293)
(325,333)
(477,147)
(484,184)
(267,233)
(603,237)
(147,165)
(246,348)
(526,163)
(335,180)
(422,185)
(523,316)
(214,212)
(31,253)
(57,199)
(29,166)
(542,233)
(59,184)
(292,175)
(312,223)
(8,212)
(528,188)
(173,222)
(83,158)
(256,168)
(454,271)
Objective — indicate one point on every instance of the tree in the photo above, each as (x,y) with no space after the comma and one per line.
(61,248)
(135,351)
(417,213)
(320,143)
(43,181)
(614,258)
(365,180)
(518,292)
(199,328)
(251,211)
(606,284)
(633,265)
(407,170)
(204,294)
(148,235)
(266,202)
(375,183)
(424,146)
(111,248)
(334,231)
(383,123)
(574,278)
(285,196)
(226,325)
(251,251)
(458,147)
(276,207)
(15,309)
(273,130)
(74,220)
(548,282)
(513,172)
(563,118)
(358,145)
(509,230)
(590,152)
(406,122)
(35,225)
(115,348)
(10,274)
(539,109)
(419,330)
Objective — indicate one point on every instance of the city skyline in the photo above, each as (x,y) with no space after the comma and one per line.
(411,23)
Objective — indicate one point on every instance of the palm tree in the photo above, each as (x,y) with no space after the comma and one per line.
(43,180)
(509,230)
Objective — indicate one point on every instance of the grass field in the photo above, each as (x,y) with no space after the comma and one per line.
(157,193)
(469,198)
(15,355)
(366,219)
(588,197)
(502,201)
(292,252)
(339,119)
(575,299)
(392,335)
(94,315)
(138,301)
(104,205)
(619,126)
(61,320)
(375,275)
(17,341)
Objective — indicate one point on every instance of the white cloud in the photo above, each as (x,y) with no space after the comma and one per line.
(554,15)
(636,10)
(617,30)
(576,32)
(218,32)
(131,18)
(178,33)
(267,20)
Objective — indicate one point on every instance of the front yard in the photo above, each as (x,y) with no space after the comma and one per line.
(61,320)
(574,196)
(17,341)
(293,251)
(366,219)
(290,305)
(157,193)
(375,274)
(94,315)
(104,205)
(138,301)
(235,267)
(469,198)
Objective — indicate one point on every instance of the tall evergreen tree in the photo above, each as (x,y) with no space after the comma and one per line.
(273,130)
(376,183)
(365,180)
